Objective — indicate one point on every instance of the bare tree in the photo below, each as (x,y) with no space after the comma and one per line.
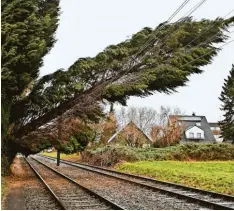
(121,116)
(167,132)
(165,112)
(143,117)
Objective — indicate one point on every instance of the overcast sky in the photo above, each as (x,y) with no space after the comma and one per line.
(88,26)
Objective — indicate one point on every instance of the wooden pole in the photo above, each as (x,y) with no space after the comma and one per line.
(58,157)
(59,138)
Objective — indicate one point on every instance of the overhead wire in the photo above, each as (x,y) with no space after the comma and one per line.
(208,52)
(161,27)
(212,38)
(171,17)
(96,89)
(151,39)
(209,39)
(134,81)
(155,37)
(207,29)
(190,12)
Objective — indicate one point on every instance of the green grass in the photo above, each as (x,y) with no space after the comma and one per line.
(72,157)
(216,176)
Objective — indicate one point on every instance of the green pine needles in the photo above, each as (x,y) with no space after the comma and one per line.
(227,98)
(129,68)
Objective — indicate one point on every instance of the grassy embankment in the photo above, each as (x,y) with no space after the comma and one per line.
(216,176)
(208,166)
(70,157)
(112,154)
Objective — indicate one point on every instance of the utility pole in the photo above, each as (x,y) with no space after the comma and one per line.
(58,157)
(59,138)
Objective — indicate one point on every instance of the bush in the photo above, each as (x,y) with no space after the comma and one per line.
(112,154)
(109,155)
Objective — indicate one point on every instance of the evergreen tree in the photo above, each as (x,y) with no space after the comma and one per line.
(27,35)
(227,98)
(163,66)
(115,74)
(28,29)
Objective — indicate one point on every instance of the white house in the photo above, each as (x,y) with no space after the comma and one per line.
(195,128)
(194,132)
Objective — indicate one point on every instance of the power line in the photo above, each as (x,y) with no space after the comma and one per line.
(97,89)
(173,15)
(190,12)
(209,39)
(147,44)
(208,53)
(162,26)
(150,40)
(207,29)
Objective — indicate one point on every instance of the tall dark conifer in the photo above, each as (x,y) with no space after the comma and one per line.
(28,28)
(227,98)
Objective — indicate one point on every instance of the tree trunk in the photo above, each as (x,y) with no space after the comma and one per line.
(7,152)
(7,155)
(9,149)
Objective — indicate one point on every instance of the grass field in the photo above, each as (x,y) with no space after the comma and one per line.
(71,157)
(216,176)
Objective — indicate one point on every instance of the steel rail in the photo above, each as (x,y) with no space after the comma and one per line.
(215,194)
(172,193)
(101,198)
(47,186)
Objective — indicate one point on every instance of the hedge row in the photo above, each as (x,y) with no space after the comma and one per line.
(112,154)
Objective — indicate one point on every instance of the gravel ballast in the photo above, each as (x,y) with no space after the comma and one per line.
(123,193)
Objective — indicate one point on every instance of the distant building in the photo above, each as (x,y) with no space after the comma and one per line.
(216,130)
(130,135)
(195,129)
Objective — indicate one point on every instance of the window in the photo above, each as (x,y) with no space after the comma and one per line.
(198,124)
(198,135)
(191,135)
(179,123)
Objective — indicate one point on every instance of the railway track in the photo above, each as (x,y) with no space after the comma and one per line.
(209,199)
(68,193)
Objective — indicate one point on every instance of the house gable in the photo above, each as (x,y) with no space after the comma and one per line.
(130,135)
(194,132)
(200,122)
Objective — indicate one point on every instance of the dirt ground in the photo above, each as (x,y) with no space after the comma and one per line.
(25,191)
(13,198)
